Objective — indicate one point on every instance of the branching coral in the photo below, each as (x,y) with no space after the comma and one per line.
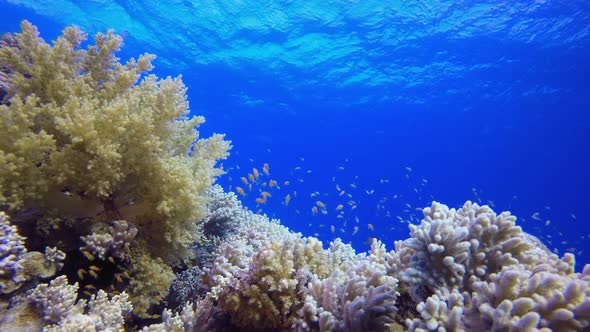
(12,250)
(57,302)
(264,281)
(455,248)
(359,298)
(268,294)
(116,241)
(541,299)
(470,269)
(17,265)
(53,307)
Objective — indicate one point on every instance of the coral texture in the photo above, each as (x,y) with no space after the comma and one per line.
(17,265)
(91,138)
(57,302)
(53,307)
(471,269)
(101,168)
(12,250)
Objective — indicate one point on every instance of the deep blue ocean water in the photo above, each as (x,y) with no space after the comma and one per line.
(381,106)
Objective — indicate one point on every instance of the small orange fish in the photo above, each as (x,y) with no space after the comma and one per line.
(286,183)
(255,173)
(244,180)
(240,191)
(272,183)
(342,192)
(265,194)
(371,228)
(320,204)
(265,169)
(287,199)
(250,187)
(251,177)
(339,207)
(314,211)
(260,200)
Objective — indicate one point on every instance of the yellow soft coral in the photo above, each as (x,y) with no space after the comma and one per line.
(151,279)
(115,141)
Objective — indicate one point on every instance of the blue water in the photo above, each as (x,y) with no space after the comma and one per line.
(396,103)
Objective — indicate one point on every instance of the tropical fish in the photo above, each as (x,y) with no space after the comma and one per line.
(287,199)
(240,191)
(265,169)
(244,180)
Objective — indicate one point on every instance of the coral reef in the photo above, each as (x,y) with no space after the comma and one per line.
(100,160)
(17,265)
(470,269)
(12,250)
(55,307)
(92,140)
(466,269)
(108,185)
(115,242)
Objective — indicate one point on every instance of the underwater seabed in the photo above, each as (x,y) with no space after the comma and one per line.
(111,220)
